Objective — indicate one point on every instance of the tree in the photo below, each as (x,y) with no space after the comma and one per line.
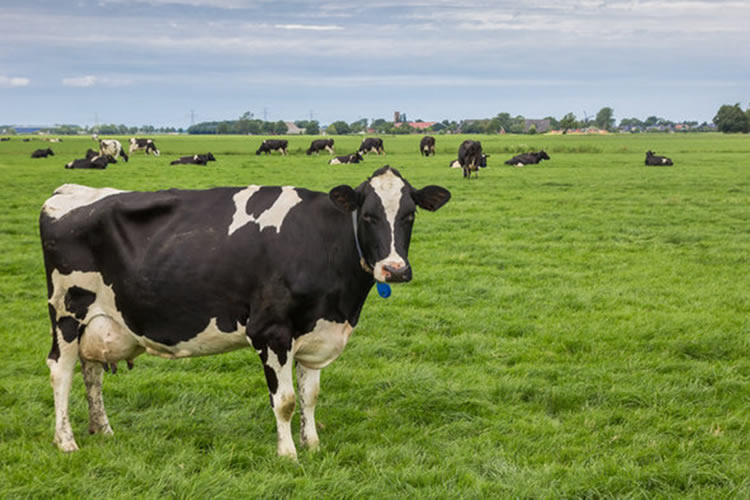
(731,119)
(568,122)
(605,119)
(341,127)
(358,126)
(280,127)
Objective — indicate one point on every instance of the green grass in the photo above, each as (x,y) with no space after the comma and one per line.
(577,329)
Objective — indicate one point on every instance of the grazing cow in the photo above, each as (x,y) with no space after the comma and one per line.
(654,160)
(528,159)
(270,145)
(4,139)
(194,160)
(183,273)
(427,146)
(110,147)
(99,162)
(355,157)
(471,158)
(372,145)
(319,145)
(147,145)
(42,153)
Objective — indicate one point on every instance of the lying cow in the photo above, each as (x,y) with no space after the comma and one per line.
(528,159)
(427,146)
(352,158)
(654,160)
(111,147)
(147,145)
(184,273)
(270,145)
(471,158)
(194,160)
(372,145)
(98,162)
(42,153)
(319,145)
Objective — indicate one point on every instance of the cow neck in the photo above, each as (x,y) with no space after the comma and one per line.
(362,261)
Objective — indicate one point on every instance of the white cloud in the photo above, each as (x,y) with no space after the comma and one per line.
(309,27)
(14,81)
(91,81)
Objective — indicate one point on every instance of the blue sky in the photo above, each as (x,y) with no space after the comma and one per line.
(156,61)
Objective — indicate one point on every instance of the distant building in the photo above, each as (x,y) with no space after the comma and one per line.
(421,126)
(293,129)
(541,126)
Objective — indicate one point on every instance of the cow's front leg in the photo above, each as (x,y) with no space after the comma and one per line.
(278,370)
(308,385)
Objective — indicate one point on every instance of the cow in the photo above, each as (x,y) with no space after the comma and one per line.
(4,139)
(471,158)
(147,145)
(270,145)
(654,160)
(528,159)
(98,162)
(427,146)
(42,153)
(319,145)
(355,157)
(372,145)
(110,147)
(182,273)
(194,160)
(90,153)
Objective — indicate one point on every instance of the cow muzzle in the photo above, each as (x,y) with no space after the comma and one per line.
(397,273)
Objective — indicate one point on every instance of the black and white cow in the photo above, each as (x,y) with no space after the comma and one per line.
(270,145)
(147,145)
(42,153)
(183,273)
(319,145)
(427,146)
(655,160)
(110,147)
(194,160)
(528,159)
(471,158)
(3,139)
(352,158)
(372,145)
(98,162)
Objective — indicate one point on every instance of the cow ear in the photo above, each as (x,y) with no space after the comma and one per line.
(431,197)
(345,198)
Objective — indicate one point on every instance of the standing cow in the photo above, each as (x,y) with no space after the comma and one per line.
(427,146)
(319,145)
(110,147)
(147,145)
(372,145)
(270,145)
(471,158)
(183,273)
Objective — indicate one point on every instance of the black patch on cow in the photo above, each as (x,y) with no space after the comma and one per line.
(54,352)
(69,327)
(78,300)
(431,197)
(271,380)
(262,200)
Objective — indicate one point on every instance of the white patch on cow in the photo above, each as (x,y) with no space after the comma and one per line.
(519,164)
(68,197)
(664,160)
(283,404)
(209,341)
(274,216)
(334,161)
(319,347)
(329,149)
(455,164)
(388,187)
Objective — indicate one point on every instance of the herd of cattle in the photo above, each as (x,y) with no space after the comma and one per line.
(470,156)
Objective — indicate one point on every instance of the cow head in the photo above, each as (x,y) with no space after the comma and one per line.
(543,155)
(383,209)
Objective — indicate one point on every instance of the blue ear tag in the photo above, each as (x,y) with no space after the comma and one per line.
(384,290)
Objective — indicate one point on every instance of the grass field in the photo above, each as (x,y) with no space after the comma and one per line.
(577,329)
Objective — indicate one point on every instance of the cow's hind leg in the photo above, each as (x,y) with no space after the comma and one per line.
(92,377)
(61,362)
(308,387)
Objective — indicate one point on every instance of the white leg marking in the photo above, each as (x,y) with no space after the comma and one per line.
(388,187)
(283,404)
(273,216)
(61,378)
(308,386)
(92,377)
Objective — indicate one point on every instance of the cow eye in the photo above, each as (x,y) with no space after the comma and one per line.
(369,218)
(408,217)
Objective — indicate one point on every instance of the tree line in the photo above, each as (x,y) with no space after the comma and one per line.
(728,119)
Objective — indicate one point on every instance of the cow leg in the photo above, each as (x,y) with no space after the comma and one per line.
(61,362)
(92,377)
(308,386)
(278,370)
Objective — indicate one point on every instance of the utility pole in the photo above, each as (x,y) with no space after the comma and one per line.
(192,117)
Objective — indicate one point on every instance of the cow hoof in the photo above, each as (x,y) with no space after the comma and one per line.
(104,430)
(68,447)
(288,454)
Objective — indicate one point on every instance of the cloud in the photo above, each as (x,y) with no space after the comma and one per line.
(14,81)
(309,27)
(91,81)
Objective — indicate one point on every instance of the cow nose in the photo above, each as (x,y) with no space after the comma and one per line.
(400,274)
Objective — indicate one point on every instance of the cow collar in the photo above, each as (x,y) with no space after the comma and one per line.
(362,261)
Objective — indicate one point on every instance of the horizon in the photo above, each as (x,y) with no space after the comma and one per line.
(172,63)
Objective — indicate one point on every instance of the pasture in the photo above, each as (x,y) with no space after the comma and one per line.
(579,328)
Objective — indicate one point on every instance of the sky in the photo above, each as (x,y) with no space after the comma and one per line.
(177,62)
